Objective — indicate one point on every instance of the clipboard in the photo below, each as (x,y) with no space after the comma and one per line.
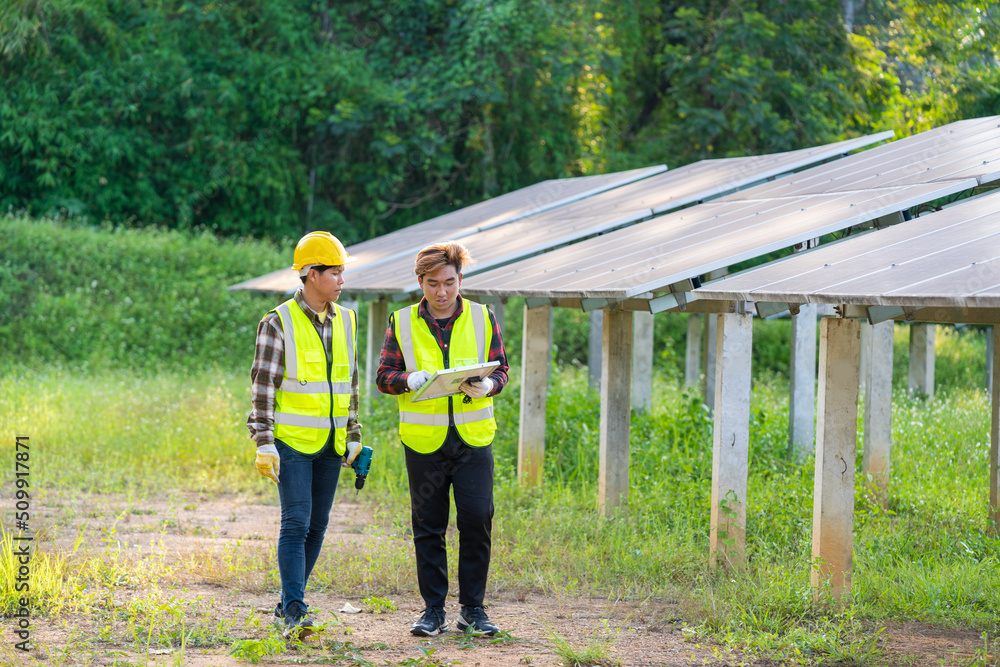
(445,381)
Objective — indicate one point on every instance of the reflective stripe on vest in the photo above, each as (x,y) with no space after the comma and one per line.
(423,425)
(315,392)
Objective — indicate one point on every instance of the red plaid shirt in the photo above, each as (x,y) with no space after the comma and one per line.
(391,376)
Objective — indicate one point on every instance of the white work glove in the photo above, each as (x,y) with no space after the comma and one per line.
(268,463)
(476,388)
(415,381)
(353,449)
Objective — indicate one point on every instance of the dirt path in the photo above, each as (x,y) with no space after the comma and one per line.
(200,560)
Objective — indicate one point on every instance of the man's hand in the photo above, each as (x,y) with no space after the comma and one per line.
(268,463)
(476,388)
(353,449)
(415,381)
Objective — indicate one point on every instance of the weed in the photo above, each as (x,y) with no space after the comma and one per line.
(378,605)
(254,650)
(596,652)
(426,660)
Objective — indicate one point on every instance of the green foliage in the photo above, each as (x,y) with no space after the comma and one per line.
(942,56)
(255,650)
(268,117)
(737,77)
(271,117)
(379,605)
(112,297)
(595,653)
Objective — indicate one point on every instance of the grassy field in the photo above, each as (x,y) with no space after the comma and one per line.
(931,556)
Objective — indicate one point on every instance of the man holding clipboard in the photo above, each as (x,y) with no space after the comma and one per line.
(448,440)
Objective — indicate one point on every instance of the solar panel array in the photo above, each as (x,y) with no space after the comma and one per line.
(950,259)
(499,210)
(680,246)
(622,206)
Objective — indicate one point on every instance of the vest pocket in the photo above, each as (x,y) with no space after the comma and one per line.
(315,362)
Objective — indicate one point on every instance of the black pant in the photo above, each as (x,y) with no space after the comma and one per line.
(470,471)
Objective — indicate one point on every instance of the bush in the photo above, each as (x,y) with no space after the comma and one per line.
(113,297)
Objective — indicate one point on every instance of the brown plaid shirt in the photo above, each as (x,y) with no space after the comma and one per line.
(269,369)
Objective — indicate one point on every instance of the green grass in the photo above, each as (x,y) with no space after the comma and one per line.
(931,556)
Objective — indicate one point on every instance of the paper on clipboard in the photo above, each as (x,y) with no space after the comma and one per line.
(445,382)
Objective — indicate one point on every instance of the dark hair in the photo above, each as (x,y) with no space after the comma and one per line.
(317,267)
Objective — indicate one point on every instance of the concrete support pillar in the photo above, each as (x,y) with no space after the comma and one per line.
(922,359)
(642,361)
(536,350)
(877,384)
(802,396)
(378,322)
(731,440)
(692,360)
(709,342)
(616,385)
(594,348)
(836,447)
(499,310)
(989,359)
(995,437)
(866,344)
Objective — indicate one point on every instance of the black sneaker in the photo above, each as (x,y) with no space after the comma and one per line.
(297,623)
(476,618)
(279,613)
(432,622)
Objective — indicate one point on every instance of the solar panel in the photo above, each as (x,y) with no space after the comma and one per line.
(500,210)
(599,214)
(651,256)
(950,258)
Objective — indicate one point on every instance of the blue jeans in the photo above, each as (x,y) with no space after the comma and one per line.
(306,486)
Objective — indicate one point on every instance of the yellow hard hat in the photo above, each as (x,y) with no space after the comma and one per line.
(319,248)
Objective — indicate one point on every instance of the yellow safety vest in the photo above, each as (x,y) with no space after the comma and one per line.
(423,425)
(315,393)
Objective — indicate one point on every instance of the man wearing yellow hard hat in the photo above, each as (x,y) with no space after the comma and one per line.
(304,417)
